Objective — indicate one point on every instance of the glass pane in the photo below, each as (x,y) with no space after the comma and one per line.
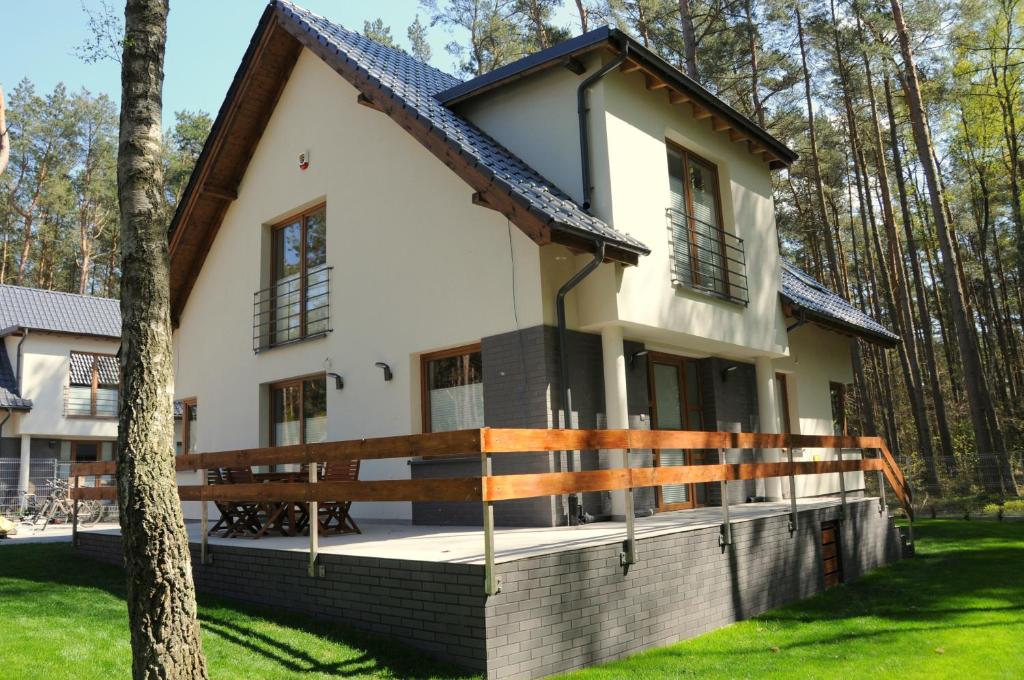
(79,401)
(314,409)
(286,412)
(668,396)
(287,295)
(192,414)
(85,451)
(678,220)
(316,239)
(456,392)
(106,401)
(704,197)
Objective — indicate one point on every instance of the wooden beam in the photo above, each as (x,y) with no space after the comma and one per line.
(368,103)
(699,112)
(676,97)
(629,66)
(575,65)
(719,124)
(653,83)
(755,148)
(224,193)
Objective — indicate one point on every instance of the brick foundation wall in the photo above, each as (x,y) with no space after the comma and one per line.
(560,611)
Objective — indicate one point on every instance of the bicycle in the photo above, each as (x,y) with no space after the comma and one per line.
(58,508)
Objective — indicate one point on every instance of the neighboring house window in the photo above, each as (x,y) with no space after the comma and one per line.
(296,304)
(187,437)
(452,389)
(704,256)
(837,392)
(93,385)
(298,411)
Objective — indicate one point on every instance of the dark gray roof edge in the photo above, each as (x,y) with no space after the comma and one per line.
(616,38)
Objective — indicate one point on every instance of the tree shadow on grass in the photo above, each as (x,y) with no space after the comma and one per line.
(59,565)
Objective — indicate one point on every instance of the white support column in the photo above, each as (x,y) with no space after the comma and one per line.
(616,406)
(768,415)
(23,468)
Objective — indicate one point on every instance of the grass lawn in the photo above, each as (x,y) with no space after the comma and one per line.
(957,610)
(954,611)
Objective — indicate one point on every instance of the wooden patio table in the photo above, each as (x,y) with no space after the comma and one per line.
(293,508)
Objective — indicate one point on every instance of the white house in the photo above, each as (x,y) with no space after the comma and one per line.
(369,246)
(59,380)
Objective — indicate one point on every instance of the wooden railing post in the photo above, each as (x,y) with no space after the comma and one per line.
(883,507)
(628,554)
(74,511)
(842,485)
(204,521)
(492,584)
(792,491)
(314,524)
(726,536)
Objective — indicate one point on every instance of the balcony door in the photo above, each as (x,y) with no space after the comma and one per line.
(675,405)
(695,217)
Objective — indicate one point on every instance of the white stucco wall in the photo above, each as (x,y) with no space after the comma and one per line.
(417,267)
(46,362)
(817,357)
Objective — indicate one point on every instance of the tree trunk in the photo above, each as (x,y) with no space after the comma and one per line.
(689,38)
(161,597)
(5,137)
(584,19)
(979,400)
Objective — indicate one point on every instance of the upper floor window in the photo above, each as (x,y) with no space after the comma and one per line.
(453,389)
(296,304)
(186,415)
(704,255)
(92,385)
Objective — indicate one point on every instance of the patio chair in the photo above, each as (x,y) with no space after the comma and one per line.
(228,513)
(254,519)
(334,515)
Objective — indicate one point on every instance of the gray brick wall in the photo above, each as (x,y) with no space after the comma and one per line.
(559,611)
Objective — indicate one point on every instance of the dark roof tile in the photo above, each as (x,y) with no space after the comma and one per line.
(56,312)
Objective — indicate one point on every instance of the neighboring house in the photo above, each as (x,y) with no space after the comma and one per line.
(59,379)
(361,214)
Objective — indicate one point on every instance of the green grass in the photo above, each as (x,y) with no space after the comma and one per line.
(955,611)
(64,616)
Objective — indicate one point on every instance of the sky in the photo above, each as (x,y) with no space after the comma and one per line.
(205,43)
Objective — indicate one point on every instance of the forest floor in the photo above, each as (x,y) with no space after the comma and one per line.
(955,610)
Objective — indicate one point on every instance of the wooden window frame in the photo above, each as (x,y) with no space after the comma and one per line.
(425,359)
(186,427)
(302,217)
(680,363)
(290,382)
(691,219)
(95,383)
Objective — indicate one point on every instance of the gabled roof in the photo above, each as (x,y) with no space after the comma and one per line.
(823,306)
(659,73)
(401,87)
(56,312)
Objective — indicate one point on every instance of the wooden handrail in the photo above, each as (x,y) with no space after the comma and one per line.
(509,487)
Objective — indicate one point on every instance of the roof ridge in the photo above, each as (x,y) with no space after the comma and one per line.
(50,291)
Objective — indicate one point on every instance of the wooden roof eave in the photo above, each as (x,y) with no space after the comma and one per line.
(701,111)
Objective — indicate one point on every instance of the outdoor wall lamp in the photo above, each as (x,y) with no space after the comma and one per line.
(633,357)
(339,382)
(388,375)
(727,371)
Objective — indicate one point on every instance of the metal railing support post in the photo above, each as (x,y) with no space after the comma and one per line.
(628,554)
(204,521)
(792,491)
(882,505)
(726,536)
(74,514)
(492,584)
(314,524)
(842,485)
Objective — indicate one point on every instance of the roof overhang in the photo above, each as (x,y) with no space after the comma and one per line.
(802,314)
(250,101)
(658,75)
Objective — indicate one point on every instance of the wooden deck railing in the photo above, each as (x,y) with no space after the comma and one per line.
(488,488)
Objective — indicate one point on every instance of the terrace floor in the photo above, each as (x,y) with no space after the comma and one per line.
(464,545)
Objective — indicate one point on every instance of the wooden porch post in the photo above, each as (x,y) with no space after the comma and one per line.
(726,536)
(492,584)
(74,512)
(204,521)
(792,491)
(314,524)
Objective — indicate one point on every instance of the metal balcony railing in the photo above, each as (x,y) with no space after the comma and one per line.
(706,258)
(82,402)
(293,309)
